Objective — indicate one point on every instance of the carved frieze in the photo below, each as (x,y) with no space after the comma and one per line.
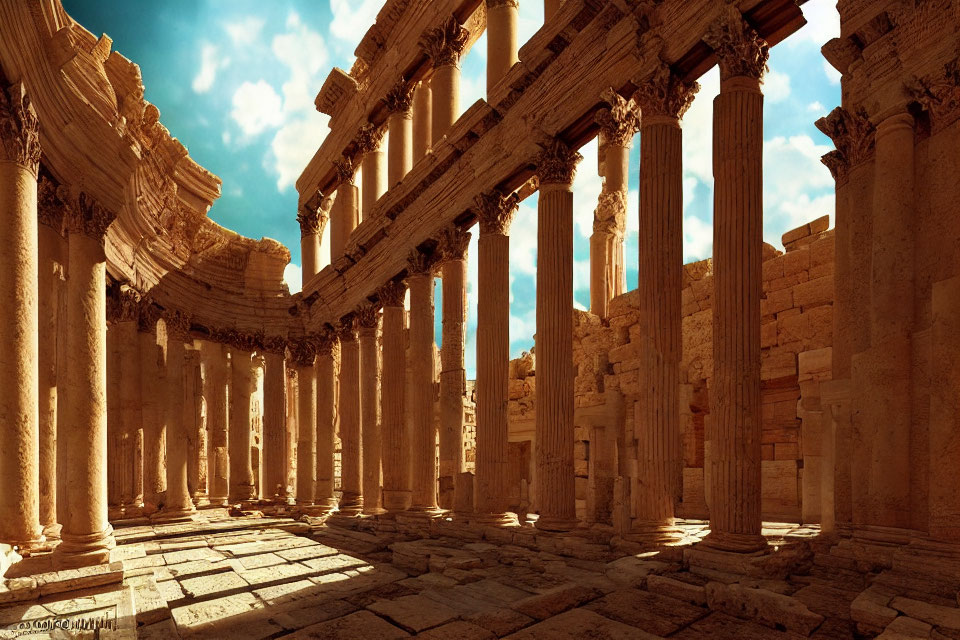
(852,134)
(495,212)
(236,339)
(19,128)
(392,294)
(620,121)
(370,138)
(400,98)
(740,49)
(445,44)
(453,244)
(663,93)
(274,344)
(557,163)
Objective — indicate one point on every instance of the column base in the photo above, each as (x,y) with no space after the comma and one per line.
(77,551)
(52,531)
(218,501)
(351,504)
(396,501)
(166,516)
(654,532)
(374,511)
(734,542)
(201,500)
(558,525)
(505,519)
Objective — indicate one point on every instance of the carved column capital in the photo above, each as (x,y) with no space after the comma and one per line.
(939,95)
(370,138)
(620,121)
(740,49)
(445,44)
(557,163)
(496,4)
(400,98)
(610,216)
(852,133)
(663,93)
(346,171)
(421,264)
(147,316)
(325,338)
(392,294)
(274,344)
(314,214)
(495,212)
(303,350)
(178,324)
(367,317)
(49,207)
(84,215)
(345,330)
(19,129)
(453,244)
(837,163)
(123,304)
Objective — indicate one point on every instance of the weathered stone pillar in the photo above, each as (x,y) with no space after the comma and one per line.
(178,503)
(556,499)
(351,455)
(114,459)
(129,413)
(326,420)
(422,120)
(292,432)
(663,98)
(374,166)
(346,212)
(453,376)
(444,45)
(737,248)
(368,317)
(493,358)
(400,124)
(216,375)
(242,381)
(423,434)
(304,350)
(87,536)
(19,420)
(153,359)
(50,289)
(396,457)
(274,420)
(502,18)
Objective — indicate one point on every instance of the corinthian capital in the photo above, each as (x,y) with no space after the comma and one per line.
(663,93)
(445,44)
(420,263)
(837,163)
(495,212)
(939,95)
(620,121)
(84,215)
(392,294)
(49,207)
(852,134)
(178,325)
(123,304)
(741,50)
(303,350)
(557,163)
(453,244)
(367,316)
(400,97)
(346,171)
(19,129)
(370,137)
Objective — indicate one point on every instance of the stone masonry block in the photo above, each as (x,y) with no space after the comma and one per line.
(814,293)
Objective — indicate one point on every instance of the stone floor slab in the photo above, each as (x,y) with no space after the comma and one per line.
(413,613)
(361,625)
(580,624)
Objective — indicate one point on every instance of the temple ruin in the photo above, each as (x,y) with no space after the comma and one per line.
(762,445)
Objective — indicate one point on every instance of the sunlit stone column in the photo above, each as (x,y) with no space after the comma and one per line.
(734,466)
(19,420)
(242,382)
(422,431)
(453,376)
(153,359)
(444,45)
(326,420)
(178,503)
(87,536)
(502,18)
(368,318)
(216,375)
(396,458)
(618,124)
(196,426)
(374,166)
(292,432)
(663,98)
(49,291)
(556,499)
(312,219)
(274,420)
(422,120)
(351,455)
(493,357)
(303,350)
(400,123)
(346,213)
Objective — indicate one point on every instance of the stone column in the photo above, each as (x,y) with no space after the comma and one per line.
(242,381)
(291,435)
(493,358)
(19,419)
(423,435)
(153,366)
(422,120)
(444,45)
(114,467)
(180,415)
(326,421)
(129,405)
(304,352)
(400,124)
(502,18)
(453,376)
(618,124)
(274,420)
(396,458)
(49,291)
(374,166)
(945,412)
(737,248)
(346,212)
(663,98)
(312,218)
(368,317)
(216,375)
(351,455)
(199,478)
(556,166)
(87,536)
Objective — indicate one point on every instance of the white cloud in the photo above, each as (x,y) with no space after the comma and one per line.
(294,145)
(797,187)
(833,76)
(776,86)
(698,129)
(472,88)
(823,23)
(245,31)
(587,186)
(256,107)
(523,238)
(523,326)
(352,18)
(816,107)
(293,276)
(210,64)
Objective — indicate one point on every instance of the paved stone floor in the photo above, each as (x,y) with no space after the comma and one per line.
(252,578)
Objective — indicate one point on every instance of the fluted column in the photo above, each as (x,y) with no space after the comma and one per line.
(444,45)
(242,379)
(737,248)
(400,124)
(87,536)
(345,215)
(19,419)
(663,98)
(216,375)
(291,434)
(304,350)
(180,414)
(556,166)
(422,120)
(502,18)
(153,366)
(453,376)
(274,420)
(326,420)
(368,317)
(370,145)
(396,457)
(351,456)
(493,358)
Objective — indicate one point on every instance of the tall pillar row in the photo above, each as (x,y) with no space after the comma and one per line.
(351,455)
(444,45)
(394,437)
(368,321)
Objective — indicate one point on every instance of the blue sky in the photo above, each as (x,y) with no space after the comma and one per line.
(235,82)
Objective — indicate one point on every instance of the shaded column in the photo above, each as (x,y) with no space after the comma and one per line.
(312,218)
(493,358)
(737,249)
(129,402)
(326,420)
(368,317)
(663,98)
(153,364)
(198,478)
(303,350)
(19,419)
(444,45)
(423,435)
(422,120)
(945,412)
(452,252)
(292,432)
(216,376)
(274,420)
(345,215)
(114,459)
(351,460)
(87,536)
(502,18)
(242,381)
(374,166)
(396,458)
(180,414)
(400,124)
(556,166)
